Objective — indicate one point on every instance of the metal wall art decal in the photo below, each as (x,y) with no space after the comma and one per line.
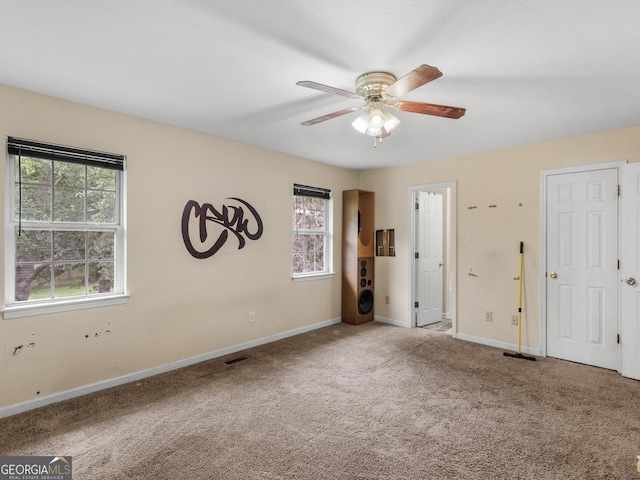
(230,217)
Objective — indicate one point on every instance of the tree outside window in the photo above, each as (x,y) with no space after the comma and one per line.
(311,232)
(66,232)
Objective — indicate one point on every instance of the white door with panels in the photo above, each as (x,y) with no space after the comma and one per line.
(582,267)
(630,270)
(430,255)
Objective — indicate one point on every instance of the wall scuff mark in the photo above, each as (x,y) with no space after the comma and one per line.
(97,334)
(16,350)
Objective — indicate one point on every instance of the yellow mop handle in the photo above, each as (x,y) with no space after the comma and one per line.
(520,296)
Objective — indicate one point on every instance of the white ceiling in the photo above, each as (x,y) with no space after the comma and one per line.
(526,71)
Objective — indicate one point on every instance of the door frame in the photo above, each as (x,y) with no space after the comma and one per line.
(452,245)
(542,325)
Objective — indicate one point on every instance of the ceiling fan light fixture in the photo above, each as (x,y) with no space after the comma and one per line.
(376,118)
(391,122)
(375,122)
(361,124)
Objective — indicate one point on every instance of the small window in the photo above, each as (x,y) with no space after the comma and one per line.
(64,245)
(312,229)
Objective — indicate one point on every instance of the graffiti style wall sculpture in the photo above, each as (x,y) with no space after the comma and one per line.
(231,217)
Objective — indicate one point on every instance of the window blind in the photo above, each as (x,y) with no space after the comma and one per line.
(31,148)
(307,191)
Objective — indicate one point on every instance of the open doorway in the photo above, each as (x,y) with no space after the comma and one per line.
(432,256)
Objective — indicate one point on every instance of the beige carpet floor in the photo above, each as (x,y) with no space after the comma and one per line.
(349,402)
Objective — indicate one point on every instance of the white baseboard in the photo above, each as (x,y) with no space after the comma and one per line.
(469,338)
(390,321)
(497,344)
(132,377)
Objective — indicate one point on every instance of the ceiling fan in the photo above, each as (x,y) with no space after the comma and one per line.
(381,89)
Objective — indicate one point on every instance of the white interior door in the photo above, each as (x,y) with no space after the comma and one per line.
(582,267)
(630,270)
(430,244)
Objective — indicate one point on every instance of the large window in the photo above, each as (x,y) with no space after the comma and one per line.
(312,241)
(65,237)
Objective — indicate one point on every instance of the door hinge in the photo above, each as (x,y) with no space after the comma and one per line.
(417,206)
(618,338)
(416,304)
(618,264)
(417,255)
(618,190)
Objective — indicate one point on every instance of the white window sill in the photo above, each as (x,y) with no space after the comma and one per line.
(313,276)
(29,310)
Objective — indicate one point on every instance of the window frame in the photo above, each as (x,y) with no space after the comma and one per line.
(17,309)
(328,271)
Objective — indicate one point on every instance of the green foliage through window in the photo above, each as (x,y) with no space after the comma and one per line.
(310,234)
(66,228)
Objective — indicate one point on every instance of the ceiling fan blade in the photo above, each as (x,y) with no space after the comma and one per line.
(328,89)
(429,109)
(412,80)
(329,116)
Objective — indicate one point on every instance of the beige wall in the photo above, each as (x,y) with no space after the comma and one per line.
(179,307)
(488,238)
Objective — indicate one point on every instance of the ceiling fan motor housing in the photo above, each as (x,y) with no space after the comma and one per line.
(371,86)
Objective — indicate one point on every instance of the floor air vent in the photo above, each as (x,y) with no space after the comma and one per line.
(235,360)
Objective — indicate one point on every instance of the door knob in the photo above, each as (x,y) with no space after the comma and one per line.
(553,275)
(631,281)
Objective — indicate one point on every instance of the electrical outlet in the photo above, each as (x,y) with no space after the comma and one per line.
(488,316)
(252,317)
(514,319)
